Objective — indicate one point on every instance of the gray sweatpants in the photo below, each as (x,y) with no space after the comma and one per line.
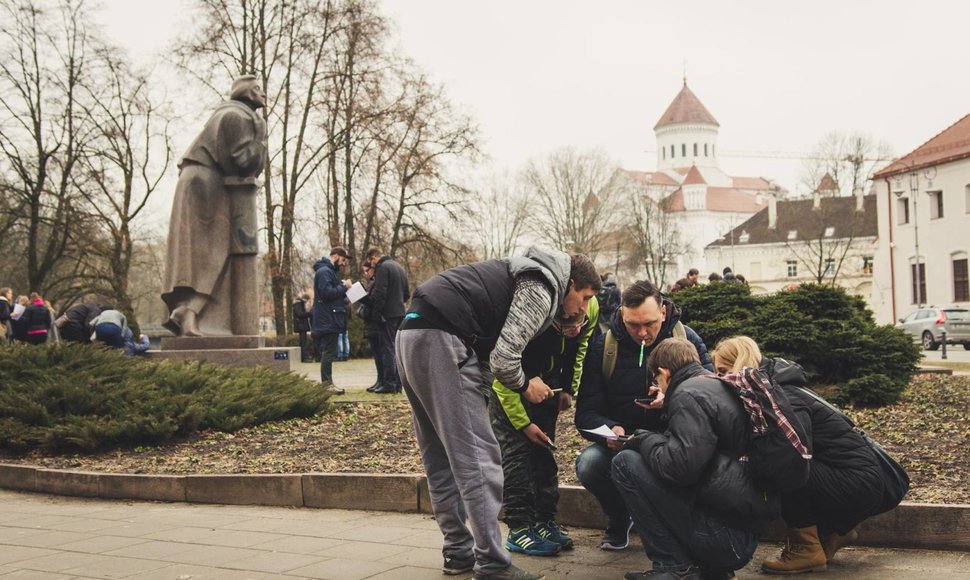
(443,381)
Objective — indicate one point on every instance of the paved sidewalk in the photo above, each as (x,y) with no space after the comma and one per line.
(59,538)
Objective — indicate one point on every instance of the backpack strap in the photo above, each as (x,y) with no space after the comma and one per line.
(610,346)
(679,331)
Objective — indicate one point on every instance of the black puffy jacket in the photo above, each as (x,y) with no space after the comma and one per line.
(707,430)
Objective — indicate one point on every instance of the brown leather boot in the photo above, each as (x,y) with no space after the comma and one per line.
(802,553)
(835,542)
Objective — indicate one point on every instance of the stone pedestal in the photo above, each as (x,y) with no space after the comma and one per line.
(232,351)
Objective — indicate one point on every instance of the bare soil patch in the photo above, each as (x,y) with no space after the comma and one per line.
(928,431)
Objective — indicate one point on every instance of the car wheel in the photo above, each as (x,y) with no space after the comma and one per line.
(928,342)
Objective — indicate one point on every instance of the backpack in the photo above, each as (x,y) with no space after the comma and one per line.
(778,456)
(611,345)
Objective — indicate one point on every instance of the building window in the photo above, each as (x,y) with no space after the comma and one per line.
(672,151)
(936,205)
(961,284)
(713,153)
(792,268)
(683,149)
(829,267)
(922,281)
(695,149)
(663,151)
(968,187)
(966,198)
(902,210)
(867,264)
(829,232)
(792,234)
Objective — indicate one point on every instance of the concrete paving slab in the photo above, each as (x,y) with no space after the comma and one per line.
(308,554)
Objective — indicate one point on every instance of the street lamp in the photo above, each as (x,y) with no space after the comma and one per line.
(914,191)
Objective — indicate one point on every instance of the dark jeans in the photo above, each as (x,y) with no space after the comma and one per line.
(594,470)
(531,489)
(834,500)
(388,331)
(326,345)
(109,334)
(305,355)
(375,347)
(676,532)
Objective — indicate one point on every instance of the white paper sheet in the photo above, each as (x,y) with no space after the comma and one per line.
(356,292)
(603,431)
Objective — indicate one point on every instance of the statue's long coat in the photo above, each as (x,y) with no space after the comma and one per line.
(232,144)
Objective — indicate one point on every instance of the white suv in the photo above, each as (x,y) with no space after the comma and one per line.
(928,323)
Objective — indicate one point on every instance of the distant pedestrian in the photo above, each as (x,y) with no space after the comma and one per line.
(608,299)
(36,320)
(75,324)
(714,277)
(301,325)
(109,328)
(372,331)
(729,276)
(6,309)
(329,310)
(388,301)
(692,276)
(132,347)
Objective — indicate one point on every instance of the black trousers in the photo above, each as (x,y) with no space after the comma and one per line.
(388,365)
(326,345)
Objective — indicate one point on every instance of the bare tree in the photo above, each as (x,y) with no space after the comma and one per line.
(497,215)
(841,166)
(574,209)
(656,240)
(122,167)
(45,52)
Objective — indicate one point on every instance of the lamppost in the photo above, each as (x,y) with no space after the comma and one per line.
(930,173)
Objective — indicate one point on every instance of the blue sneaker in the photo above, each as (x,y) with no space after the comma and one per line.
(528,541)
(551,531)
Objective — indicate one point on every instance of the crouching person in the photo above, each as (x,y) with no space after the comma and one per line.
(696,509)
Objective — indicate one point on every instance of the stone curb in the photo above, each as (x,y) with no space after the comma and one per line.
(910,525)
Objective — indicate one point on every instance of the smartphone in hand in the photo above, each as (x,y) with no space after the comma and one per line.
(648,399)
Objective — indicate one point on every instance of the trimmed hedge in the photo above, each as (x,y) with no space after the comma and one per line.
(831,334)
(72,397)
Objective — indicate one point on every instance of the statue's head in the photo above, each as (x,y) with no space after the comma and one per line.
(247,89)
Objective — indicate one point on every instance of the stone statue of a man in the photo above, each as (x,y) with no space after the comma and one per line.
(210,274)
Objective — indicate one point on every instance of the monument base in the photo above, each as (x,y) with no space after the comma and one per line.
(282,359)
(211,342)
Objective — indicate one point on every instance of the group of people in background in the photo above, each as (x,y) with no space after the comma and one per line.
(540,332)
(382,309)
(32,320)
(727,275)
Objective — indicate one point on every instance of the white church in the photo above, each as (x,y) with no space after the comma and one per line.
(705,202)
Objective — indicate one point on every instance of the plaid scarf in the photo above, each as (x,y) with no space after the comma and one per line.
(747,384)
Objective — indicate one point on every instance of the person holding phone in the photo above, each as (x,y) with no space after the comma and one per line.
(609,393)
(526,432)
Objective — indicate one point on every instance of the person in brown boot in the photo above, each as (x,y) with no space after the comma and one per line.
(835,541)
(802,553)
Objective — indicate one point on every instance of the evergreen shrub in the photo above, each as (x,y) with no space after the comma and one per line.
(831,334)
(72,397)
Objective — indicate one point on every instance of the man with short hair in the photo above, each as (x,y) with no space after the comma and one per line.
(387,298)
(329,311)
(697,510)
(692,276)
(461,324)
(645,320)
(6,309)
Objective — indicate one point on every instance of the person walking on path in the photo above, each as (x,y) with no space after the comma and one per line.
(461,324)
(329,311)
(388,296)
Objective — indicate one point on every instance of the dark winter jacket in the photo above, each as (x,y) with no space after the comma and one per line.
(389,293)
(473,301)
(77,327)
(329,299)
(36,322)
(847,486)
(609,298)
(301,317)
(610,404)
(706,432)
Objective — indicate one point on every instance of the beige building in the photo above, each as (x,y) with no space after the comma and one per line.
(924,218)
(824,239)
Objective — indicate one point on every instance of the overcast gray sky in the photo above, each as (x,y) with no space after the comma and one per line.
(538,75)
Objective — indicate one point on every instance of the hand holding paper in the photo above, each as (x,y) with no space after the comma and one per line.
(356,292)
